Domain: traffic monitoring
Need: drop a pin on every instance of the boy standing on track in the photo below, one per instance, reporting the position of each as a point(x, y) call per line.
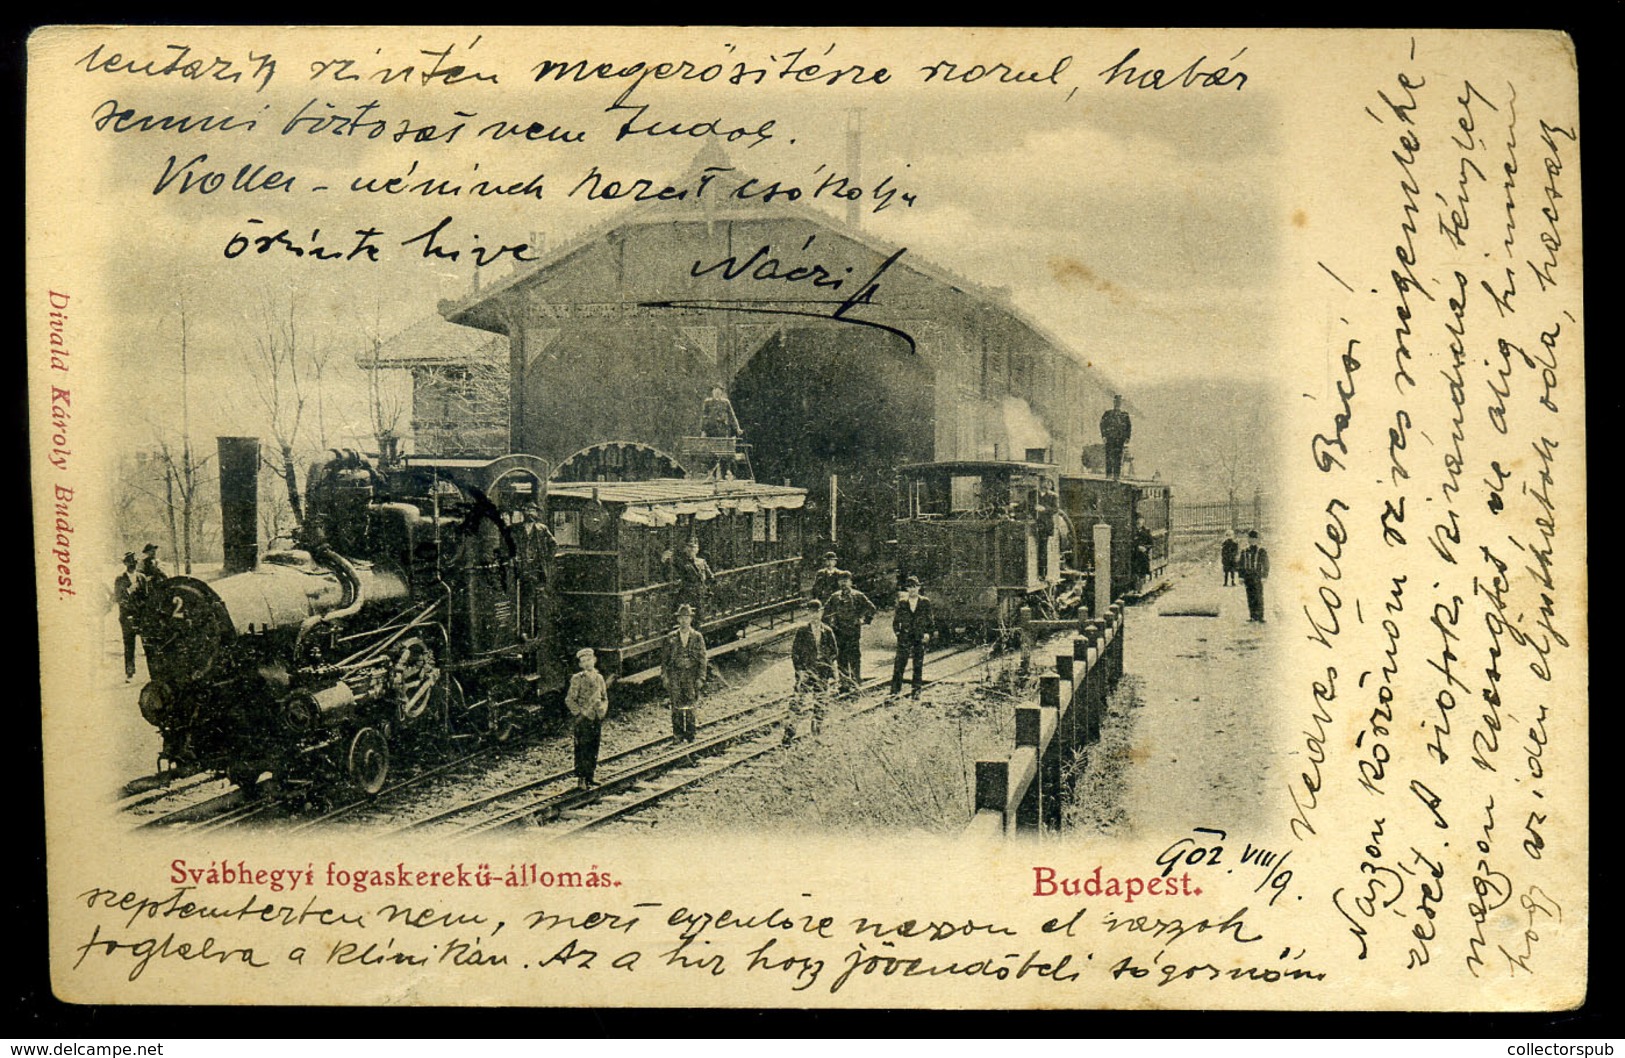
point(588, 702)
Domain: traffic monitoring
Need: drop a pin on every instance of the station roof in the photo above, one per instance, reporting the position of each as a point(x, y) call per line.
point(434, 342)
point(474, 310)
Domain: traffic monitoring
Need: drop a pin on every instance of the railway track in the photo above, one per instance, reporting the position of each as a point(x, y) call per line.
point(638, 777)
point(632, 779)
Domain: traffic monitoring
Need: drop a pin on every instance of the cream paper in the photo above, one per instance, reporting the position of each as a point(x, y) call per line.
point(1380, 228)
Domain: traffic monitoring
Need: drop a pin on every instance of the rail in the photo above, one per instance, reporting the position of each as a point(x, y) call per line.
point(1023, 792)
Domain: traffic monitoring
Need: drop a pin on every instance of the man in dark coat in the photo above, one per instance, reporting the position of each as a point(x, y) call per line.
point(694, 579)
point(912, 621)
point(812, 653)
point(150, 569)
point(127, 595)
point(1115, 428)
point(1254, 566)
point(828, 578)
point(683, 672)
point(1143, 543)
point(1228, 551)
point(847, 611)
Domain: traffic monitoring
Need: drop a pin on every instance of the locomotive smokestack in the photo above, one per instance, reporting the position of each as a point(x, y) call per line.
point(239, 501)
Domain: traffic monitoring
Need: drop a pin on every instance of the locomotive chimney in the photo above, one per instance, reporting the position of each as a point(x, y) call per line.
point(239, 501)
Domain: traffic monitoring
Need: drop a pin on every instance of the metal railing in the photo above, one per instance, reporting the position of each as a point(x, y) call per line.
point(1237, 514)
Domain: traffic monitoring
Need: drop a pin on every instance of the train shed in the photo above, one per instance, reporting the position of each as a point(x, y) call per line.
point(844, 356)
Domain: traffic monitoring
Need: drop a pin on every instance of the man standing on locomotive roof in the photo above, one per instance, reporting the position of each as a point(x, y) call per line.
point(912, 622)
point(1115, 428)
point(828, 578)
point(127, 594)
point(1254, 566)
point(694, 578)
point(847, 611)
point(683, 672)
point(588, 703)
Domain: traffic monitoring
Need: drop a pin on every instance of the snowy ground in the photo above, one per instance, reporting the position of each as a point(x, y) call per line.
point(1189, 725)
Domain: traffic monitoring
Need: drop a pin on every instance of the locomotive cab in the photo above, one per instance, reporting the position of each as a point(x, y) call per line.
point(985, 537)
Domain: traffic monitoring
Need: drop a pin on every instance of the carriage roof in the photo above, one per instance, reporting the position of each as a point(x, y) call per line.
point(679, 491)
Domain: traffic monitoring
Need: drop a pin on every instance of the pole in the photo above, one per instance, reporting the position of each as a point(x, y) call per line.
point(1103, 569)
point(834, 503)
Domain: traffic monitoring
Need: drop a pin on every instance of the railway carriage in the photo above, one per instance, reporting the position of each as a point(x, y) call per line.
point(617, 586)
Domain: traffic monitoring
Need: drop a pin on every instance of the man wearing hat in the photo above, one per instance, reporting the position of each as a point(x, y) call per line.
point(693, 575)
point(683, 672)
point(912, 621)
point(127, 594)
point(1254, 566)
point(150, 569)
point(847, 611)
point(812, 653)
point(1115, 429)
point(828, 578)
point(588, 703)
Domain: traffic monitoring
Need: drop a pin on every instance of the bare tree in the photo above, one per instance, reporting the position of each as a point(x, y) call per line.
point(287, 372)
point(386, 403)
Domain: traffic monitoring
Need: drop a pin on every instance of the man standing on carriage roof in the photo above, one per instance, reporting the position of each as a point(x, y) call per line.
point(827, 581)
point(847, 611)
point(1115, 428)
point(717, 417)
point(683, 670)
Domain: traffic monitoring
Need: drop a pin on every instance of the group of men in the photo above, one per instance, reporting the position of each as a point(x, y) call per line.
point(132, 594)
point(826, 653)
point(1251, 565)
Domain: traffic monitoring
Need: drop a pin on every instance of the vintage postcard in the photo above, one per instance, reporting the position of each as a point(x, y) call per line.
point(810, 517)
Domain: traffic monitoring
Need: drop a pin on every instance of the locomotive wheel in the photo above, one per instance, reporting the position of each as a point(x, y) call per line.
point(368, 760)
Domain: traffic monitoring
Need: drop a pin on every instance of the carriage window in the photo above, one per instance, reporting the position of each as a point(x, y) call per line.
point(758, 527)
point(567, 528)
point(773, 525)
point(965, 492)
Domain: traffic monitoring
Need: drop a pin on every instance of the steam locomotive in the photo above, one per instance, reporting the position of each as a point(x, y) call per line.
point(429, 603)
point(987, 537)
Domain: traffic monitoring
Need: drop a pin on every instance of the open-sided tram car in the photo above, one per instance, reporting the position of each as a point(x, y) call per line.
point(619, 592)
point(1090, 499)
point(985, 537)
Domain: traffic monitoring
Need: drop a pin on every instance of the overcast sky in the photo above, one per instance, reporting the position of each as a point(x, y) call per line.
point(1141, 229)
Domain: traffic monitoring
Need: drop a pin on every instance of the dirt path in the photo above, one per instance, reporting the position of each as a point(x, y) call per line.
point(1189, 733)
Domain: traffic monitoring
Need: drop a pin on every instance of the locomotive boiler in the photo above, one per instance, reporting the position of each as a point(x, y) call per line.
point(404, 611)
